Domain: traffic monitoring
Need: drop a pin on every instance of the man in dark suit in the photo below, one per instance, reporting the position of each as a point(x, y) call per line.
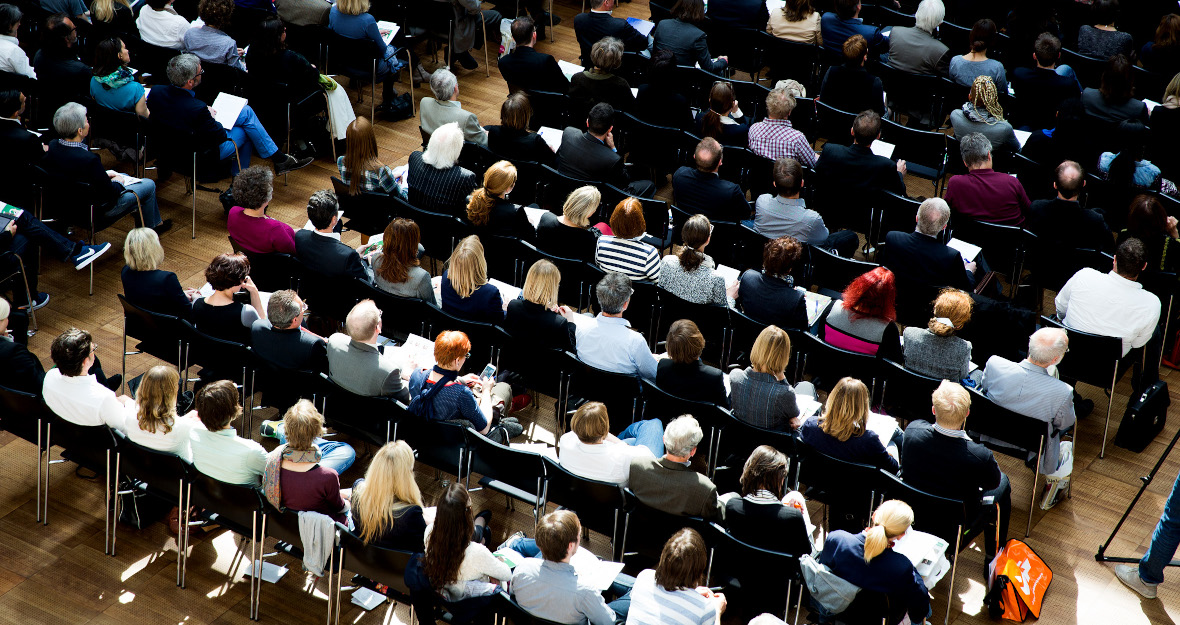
point(59, 71)
point(1040, 90)
point(851, 177)
point(591, 155)
point(590, 27)
point(20, 369)
point(281, 339)
point(1061, 223)
point(920, 258)
point(740, 13)
point(176, 106)
point(527, 69)
point(669, 484)
point(702, 191)
point(321, 250)
point(19, 149)
point(941, 459)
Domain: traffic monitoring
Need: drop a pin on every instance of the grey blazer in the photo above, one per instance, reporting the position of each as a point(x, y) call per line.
point(946, 357)
point(1027, 389)
point(364, 369)
point(674, 488)
point(436, 113)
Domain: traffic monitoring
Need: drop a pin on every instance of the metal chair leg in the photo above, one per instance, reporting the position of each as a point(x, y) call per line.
point(1114, 379)
point(194, 194)
point(1036, 474)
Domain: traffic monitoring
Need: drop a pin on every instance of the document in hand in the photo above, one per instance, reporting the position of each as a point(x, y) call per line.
point(968, 250)
point(927, 553)
point(226, 109)
point(552, 137)
point(643, 26)
point(882, 148)
point(1022, 136)
point(507, 291)
point(388, 30)
point(569, 69)
point(592, 571)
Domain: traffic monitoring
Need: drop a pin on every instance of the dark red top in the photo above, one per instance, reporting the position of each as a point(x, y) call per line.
point(315, 490)
point(989, 196)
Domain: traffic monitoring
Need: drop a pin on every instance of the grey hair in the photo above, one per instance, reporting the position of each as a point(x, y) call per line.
point(282, 309)
point(614, 291)
point(443, 83)
point(445, 146)
point(932, 216)
point(929, 15)
point(974, 148)
point(682, 435)
point(68, 119)
point(1047, 345)
point(183, 68)
point(10, 14)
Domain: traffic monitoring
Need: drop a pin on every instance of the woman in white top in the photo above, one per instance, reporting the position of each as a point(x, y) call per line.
point(458, 566)
point(589, 450)
point(675, 592)
point(156, 424)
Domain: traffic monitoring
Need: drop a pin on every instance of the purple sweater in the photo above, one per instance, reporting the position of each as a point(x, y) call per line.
point(261, 235)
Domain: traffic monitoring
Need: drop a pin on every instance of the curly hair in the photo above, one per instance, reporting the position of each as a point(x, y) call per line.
point(497, 180)
point(216, 13)
point(873, 294)
point(227, 271)
point(253, 187)
point(983, 92)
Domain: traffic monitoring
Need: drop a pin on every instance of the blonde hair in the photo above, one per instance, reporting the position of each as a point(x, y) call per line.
point(951, 404)
point(983, 91)
point(142, 250)
point(846, 413)
point(890, 520)
point(104, 10)
point(156, 399)
point(954, 306)
point(497, 180)
point(353, 7)
point(467, 269)
point(772, 351)
point(389, 490)
point(581, 204)
point(302, 425)
point(541, 283)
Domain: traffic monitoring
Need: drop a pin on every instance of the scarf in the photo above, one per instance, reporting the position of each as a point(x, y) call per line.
point(116, 79)
point(979, 115)
point(274, 466)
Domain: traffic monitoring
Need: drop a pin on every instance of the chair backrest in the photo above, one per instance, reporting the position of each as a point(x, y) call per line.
point(237, 506)
point(711, 319)
point(647, 529)
point(220, 78)
point(834, 124)
point(407, 315)
point(1089, 69)
point(761, 574)
point(282, 386)
point(148, 326)
point(385, 566)
point(226, 357)
point(832, 271)
point(352, 57)
point(597, 503)
point(907, 393)
point(921, 147)
point(369, 418)
point(832, 480)
point(557, 186)
point(89, 445)
point(439, 444)
point(273, 271)
point(1005, 245)
point(551, 109)
point(478, 158)
point(987, 418)
point(619, 391)
point(835, 362)
point(1094, 358)
point(486, 339)
point(153, 60)
point(789, 59)
point(895, 213)
point(516, 467)
point(440, 232)
point(163, 471)
point(367, 212)
point(936, 515)
point(512, 612)
point(124, 127)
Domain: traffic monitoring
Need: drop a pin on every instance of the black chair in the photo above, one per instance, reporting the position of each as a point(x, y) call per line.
point(219, 359)
point(924, 152)
point(431, 15)
point(514, 473)
point(851, 489)
point(834, 272)
point(711, 319)
point(619, 391)
point(367, 212)
point(789, 59)
point(238, 508)
point(440, 232)
point(1089, 69)
point(662, 405)
point(195, 157)
point(399, 315)
point(26, 416)
point(552, 109)
point(598, 504)
point(737, 440)
point(90, 446)
point(124, 128)
point(643, 311)
point(834, 125)
point(371, 419)
point(357, 60)
point(1096, 360)
point(283, 109)
point(1005, 247)
point(754, 576)
point(511, 612)
point(273, 271)
point(895, 213)
point(744, 330)
point(158, 334)
point(157, 473)
point(152, 61)
point(440, 444)
point(646, 529)
point(905, 394)
point(918, 95)
point(832, 363)
point(543, 370)
point(574, 285)
point(280, 387)
point(556, 187)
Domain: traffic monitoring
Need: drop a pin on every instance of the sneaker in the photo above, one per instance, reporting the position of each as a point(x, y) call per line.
point(1129, 576)
point(520, 402)
point(270, 429)
point(39, 301)
point(420, 75)
point(163, 226)
point(466, 61)
point(291, 164)
point(87, 255)
point(511, 538)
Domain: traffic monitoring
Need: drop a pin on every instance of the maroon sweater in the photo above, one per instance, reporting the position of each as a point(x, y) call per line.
point(988, 195)
point(315, 490)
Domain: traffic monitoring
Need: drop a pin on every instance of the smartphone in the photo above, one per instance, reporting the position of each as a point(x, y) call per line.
point(488, 373)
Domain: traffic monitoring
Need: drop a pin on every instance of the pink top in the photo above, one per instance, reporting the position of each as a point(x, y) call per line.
point(260, 235)
point(836, 338)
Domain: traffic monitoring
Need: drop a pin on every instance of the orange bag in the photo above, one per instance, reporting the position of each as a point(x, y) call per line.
point(1019, 581)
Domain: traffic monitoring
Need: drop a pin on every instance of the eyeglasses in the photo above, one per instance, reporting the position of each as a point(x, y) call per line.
point(467, 356)
point(303, 308)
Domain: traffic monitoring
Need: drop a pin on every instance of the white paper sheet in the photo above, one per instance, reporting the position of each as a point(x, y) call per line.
point(122, 178)
point(367, 599)
point(816, 304)
point(594, 572)
point(226, 109)
point(270, 572)
point(388, 30)
point(569, 69)
point(635, 92)
point(507, 291)
point(807, 405)
point(882, 425)
point(967, 250)
point(552, 137)
point(882, 148)
point(537, 448)
point(927, 552)
point(730, 274)
point(534, 215)
point(643, 26)
point(1022, 136)
point(1151, 104)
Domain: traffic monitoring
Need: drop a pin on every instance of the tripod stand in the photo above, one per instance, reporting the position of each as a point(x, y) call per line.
point(1101, 555)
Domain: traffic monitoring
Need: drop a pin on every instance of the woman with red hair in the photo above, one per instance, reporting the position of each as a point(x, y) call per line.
point(863, 321)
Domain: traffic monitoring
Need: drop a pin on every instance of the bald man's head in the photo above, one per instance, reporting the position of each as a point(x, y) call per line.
point(1070, 180)
point(1047, 346)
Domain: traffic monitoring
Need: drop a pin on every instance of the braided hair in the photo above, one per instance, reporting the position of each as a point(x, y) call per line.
point(983, 91)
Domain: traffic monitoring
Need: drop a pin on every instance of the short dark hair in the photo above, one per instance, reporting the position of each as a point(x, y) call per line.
point(764, 470)
point(9, 102)
point(555, 532)
point(780, 255)
point(1130, 257)
point(321, 208)
point(691, 11)
point(523, 28)
point(788, 176)
point(685, 341)
point(227, 270)
point(845, 9)
point(983, 34)
point(57, 34)
point(1116, 79)
point(516, 111)
point(218, 405)
point(682, 561)
point(707, 154)
point(866, 128)
point(1105, 11)
point(9, 16)
point(1047, 48)
point(106, 56)
point(69, 350)
point(253, 186)
point(1069, 186)
point(601, 118)
point(158, 5)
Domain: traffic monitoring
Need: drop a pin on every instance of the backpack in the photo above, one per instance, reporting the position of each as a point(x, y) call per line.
point(1019, 581)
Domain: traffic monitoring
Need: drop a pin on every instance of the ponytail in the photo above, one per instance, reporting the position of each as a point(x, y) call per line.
point(876, 541)
point(712, 125)
point(480, 207)
point(690, 259)
point(890, 520)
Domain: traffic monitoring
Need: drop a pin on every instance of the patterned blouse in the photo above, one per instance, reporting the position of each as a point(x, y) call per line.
point(699, 286)
point(380, 180)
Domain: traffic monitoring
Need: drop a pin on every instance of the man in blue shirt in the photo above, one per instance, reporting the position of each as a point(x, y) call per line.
point(836, 28)
point(607, 341)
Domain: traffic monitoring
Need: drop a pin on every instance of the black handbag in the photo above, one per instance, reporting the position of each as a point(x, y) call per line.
point(1144, 419)
point(398, 108)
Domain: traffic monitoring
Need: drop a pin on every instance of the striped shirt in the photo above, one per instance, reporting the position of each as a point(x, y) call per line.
point(380, 179)
point(652, 605)
point(439, 190)
point(633, 258)
point(775, 139)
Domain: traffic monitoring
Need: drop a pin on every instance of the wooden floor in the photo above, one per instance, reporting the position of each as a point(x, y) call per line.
point(58, 573)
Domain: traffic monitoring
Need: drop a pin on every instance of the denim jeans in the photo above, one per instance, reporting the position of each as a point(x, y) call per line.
point(620, 588)
point(1164, 540)
point(1067, 71)
point(247, 127)
point(648, 433)
point(146, 191)
point(334, 455)
point(31, 233)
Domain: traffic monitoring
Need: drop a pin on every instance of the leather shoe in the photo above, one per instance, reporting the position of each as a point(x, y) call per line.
point(163, 226)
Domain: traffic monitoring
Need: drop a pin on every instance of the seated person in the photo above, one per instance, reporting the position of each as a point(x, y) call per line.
point(396, 268)
point(160, 25)
point(13, 58)
point(303, 12)
point(218, 451)
point(967, 68)
point(983, 114)
point(1129, 168)
point(920, 257)
point(1112, 102)
point(786, 214)
point(275, 66)
point(57, 61)
point(113, 84)
point(591, 155)
point(1045, 82)
point(248, 223)
point(770, 296)
point(625, 250)
point(282, 339)
point(69, 158)
point(983, 193)
point(352, 20)
point(176, 106)
point(774, 137)
point(75, 394)
point(387, 504)
point(690, 275)
point(599, 84)
point(570, 234)
point(1148, 221)
point(465, 289)
point(155, 424)
point(361, 156)
point(20, 369)
point(457, 566)
point(915, 50)
point(512, 139)
point(763, 514)
point(868, 560)
point(760, 394)
point(723, 120)
point(607, 342)
point(842, 431)
point(1062, 223)
point(844, 21)
point(1113, 303)
point(850, 87)
point(864, 318)
point(441, 394)
point(209, 41)
point(852, 175)
point(437, 183)
point(220, 315)
point(941, 459)
point(536, 317)
point(1102, 40)
point(526, 69)
point(598, 22)
point(490, 211)
point(935, 351)
point(675, 591)
point(668, 483)
point(20, 149)
point(682, 373)
point(321, 250)
point(444, 108)
point(303, 472)
point(743, 14)
point(797, 21)
point(701, 190)
point(659, 100)
point(358, 364)
point(682, 35)
point(589, 450)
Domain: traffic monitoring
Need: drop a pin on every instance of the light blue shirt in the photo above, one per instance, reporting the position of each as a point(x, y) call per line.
point(224, 456)
point(608, 343)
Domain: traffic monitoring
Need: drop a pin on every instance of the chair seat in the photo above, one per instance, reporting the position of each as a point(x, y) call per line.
point(510, 490)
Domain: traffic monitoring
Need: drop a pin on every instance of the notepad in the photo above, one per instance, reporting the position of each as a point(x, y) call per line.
point(730, 274)
point(534, 215)
point(598, 574)
point(807, 405)
point(882, 148)
point(1022, 136)
point(643, 26)
point(123, 179)
point(226, 109)
point(569, 69)
point(388, 30)
point(816, 304)
point(1151, 104)
point(367, 599)
point(968, 250)
point(552, 137)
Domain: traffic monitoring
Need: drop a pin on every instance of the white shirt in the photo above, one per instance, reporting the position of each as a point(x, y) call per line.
point(82, 400)
point(225, 456)
point(607, 462)
point(1110, 305)
point(162, 28)
point(13, 59)
point(176, 441)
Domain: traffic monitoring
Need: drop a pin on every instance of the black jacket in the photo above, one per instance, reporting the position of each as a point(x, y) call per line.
point(849, 176)
point(62, 75)
point(740, 13)
point(695, 380)
point(1066, 225)
point(505, 219)
point(769, 526)
point(81, 165)
point(525, 68)
point(558, 239)
point(1040, 93)
point(19, 149)
point(519, 145)
point(20, 369)
point(539, 326)
point(581, 155)
point(852, 90)
point(946, 466)
point(328, 256)
point(708, 194)
point(294, 349)
point(772, 301)
point(663, 105)
point(590, 27)
point(156, 290)
point(181, 110)
point(925, 260)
